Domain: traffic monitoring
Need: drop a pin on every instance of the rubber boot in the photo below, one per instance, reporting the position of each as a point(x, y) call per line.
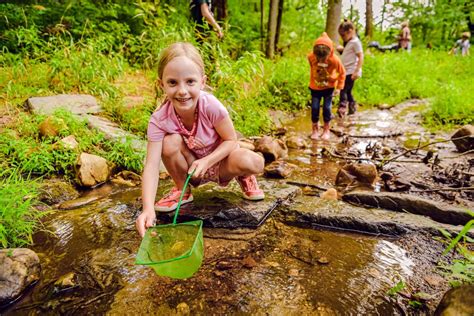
point(315, 133)
point(342, 109)
point(326, 131)
point(352, 108)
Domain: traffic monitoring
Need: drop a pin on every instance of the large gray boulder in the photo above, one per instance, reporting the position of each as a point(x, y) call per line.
point(74, 103)
point(19, 268)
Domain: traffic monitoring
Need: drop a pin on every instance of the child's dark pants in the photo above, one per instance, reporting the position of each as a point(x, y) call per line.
point(316, 96)
point(346, 97)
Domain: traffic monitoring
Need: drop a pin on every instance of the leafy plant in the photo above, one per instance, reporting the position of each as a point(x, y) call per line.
point(18, 216)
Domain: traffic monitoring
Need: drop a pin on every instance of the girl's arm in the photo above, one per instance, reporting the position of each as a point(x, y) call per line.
point(150, 179)
point(226, 131)
point(360, 62)
point(210, 19)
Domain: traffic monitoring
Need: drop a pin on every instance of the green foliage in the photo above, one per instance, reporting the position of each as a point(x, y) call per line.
point(460, 270)
point(394, 77)
point(396, 288)
point(18, 217)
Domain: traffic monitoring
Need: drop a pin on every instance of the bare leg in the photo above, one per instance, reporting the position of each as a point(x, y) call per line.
point(177, 158)
point(240, 162)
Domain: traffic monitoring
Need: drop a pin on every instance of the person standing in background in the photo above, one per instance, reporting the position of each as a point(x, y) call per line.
point(201, 14)
point(404, 39)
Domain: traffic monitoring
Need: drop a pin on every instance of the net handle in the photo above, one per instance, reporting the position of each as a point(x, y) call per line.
point(181, 197)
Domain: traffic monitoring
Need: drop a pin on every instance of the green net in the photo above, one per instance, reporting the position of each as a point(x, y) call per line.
point(173, 250)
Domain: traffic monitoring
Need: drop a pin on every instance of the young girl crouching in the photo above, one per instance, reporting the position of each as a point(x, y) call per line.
point(191, 132)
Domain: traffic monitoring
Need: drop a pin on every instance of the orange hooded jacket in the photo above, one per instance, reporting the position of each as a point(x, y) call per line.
point(330, 74)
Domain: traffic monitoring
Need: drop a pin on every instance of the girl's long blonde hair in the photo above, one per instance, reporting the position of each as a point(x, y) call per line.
point(180, 49)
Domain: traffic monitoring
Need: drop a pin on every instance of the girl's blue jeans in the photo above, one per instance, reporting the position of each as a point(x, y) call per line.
point(326, 96)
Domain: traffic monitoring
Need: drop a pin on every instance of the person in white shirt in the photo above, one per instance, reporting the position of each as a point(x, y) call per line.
point(462, 45)
point(352, 58)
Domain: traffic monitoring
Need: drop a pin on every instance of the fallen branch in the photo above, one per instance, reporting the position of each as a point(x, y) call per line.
point(340, 133)
point(445, 189)
point(420, 147)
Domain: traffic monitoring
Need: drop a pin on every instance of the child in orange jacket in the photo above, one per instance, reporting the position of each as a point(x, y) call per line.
point(326, 79)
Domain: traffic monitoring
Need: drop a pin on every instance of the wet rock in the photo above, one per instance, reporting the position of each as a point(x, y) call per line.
point(69, 142)
point(55, 191)
point(278, 169)
point(127, 178)
point(65, 282)
point(293, 272)
point(246, 143)
point(272, 149)
point(249, 262)
point(434, 280)
point(19, 268)
point(307, 211)
point(365, 173)
point(437, 211)
point(92, 170)
point(74, 103)
point(457, 302)
point(323, 260)
point(330, 194)
point(87, 198)
point(296, 142)
point(183, 309)
point(225, 207)
point(466, 143)
point(386, 151)
point(224, 265)
point(280, 131)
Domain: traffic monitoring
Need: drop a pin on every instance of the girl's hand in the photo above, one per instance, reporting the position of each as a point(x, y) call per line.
point(199, 167)
point(336, 92)
point(144, 221)
point(355, 76)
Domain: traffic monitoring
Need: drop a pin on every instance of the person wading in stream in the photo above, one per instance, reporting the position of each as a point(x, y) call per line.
point(191, 132)
point(327, 77)
point(352, 58)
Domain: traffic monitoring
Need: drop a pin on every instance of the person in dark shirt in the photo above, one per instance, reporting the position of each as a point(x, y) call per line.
point(201, 14)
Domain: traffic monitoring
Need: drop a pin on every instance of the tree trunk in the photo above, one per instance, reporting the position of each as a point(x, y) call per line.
point(333, 18)
point(384, 9)
point(271, 30)
point(280, 15)
point(369, 19)
point(262, 33)
point(220, 9)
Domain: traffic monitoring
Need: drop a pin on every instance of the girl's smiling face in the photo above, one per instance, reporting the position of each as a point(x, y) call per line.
point(182, 82)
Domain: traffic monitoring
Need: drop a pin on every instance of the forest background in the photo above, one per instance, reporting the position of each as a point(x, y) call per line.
point(110, 49)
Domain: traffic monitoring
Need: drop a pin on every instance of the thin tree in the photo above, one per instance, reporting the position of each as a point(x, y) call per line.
point(272, 27)
point(262, 32)
point(333, 18)
point(369, 19)
point(280, 16)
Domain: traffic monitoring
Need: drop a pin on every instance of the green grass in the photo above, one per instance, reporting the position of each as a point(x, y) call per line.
point(18, 216)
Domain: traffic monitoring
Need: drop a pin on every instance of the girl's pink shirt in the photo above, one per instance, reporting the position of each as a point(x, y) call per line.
point(210, 112)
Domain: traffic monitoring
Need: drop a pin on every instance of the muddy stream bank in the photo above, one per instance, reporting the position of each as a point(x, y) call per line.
point(309, 256)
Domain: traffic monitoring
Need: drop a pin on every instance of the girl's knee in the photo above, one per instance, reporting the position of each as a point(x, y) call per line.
point(251, 162)
point(171, 144)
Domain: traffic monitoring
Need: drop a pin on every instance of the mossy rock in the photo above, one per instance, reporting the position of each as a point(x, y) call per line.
point(54, 191)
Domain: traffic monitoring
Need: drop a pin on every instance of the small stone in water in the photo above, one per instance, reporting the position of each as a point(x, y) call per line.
point(293, 272)
point(323, 260)
point(249, 262)
point(183, 309)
